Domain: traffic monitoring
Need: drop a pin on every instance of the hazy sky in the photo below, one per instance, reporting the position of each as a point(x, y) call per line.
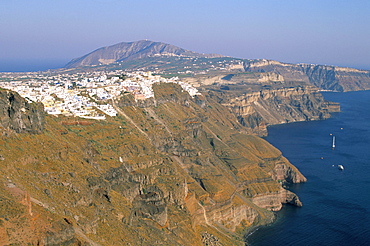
point(37, 34)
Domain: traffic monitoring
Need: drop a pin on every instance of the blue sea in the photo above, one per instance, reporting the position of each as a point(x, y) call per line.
point(29, 65)
point(336, 204)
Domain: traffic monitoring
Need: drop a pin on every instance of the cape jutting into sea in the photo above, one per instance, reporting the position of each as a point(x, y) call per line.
point(336, 203)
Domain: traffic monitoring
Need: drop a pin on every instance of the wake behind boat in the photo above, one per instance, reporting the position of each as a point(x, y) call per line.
point(333, 145)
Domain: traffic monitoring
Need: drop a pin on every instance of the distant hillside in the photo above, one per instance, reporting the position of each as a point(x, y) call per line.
point(323, 76)
point(171, 60)
point(127, 51)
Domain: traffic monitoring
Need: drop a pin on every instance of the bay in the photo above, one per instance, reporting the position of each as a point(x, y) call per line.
point(336, 204)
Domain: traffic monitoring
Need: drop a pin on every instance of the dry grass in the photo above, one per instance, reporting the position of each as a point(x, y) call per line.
point(66, 168)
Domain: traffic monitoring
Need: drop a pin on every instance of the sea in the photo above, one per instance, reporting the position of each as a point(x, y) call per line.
point(30, 65)
point(336, 203)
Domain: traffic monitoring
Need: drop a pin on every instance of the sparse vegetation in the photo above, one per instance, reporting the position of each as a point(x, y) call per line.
point(136, 177)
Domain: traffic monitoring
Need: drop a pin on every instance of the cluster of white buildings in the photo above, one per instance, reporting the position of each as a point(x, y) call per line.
point(88, 95)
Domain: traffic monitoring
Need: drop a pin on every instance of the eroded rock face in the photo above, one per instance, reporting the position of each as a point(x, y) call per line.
point(257, 110)
point(231, 216)
point(274, 202)
point(19, 115)
point(288, 173)
point(150, 205)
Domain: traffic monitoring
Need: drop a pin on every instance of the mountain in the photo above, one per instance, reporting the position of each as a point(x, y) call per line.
point(127, 51)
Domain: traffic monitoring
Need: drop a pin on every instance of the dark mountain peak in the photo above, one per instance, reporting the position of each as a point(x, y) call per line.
point(126, 51)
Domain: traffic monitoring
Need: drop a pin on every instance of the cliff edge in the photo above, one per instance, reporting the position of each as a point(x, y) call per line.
point(258, 109)
point(174, 170)
point(16, 114)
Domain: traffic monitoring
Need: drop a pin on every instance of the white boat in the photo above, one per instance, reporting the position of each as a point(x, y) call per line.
point(340, 167)
point(333, 146)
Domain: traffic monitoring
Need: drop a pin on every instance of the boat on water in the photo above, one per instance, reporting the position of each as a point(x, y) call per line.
point(340, 167)
point(333, 145)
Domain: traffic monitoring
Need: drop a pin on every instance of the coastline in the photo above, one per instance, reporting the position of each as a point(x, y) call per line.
point(277, 217)
point(330, 191)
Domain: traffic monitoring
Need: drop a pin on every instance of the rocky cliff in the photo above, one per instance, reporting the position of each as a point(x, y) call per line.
point(175, 170)
point(126, 51)
point(323, 76)
point(16, 114)
point(257, 110)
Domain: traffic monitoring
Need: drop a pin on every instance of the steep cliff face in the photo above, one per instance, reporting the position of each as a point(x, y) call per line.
point(19, 115)
point(257, 110)
point(176, 170)
point(324, 77)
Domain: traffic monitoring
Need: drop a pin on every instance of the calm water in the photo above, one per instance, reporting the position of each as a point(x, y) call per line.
point(336, 204)
point(30, 65)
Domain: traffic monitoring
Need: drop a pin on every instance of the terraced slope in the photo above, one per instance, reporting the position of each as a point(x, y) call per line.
point(171, 171)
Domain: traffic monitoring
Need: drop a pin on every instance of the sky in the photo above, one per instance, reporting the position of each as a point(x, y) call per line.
point(45, 34)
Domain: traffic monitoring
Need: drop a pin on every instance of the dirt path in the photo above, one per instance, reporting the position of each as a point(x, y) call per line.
point(128, 118)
